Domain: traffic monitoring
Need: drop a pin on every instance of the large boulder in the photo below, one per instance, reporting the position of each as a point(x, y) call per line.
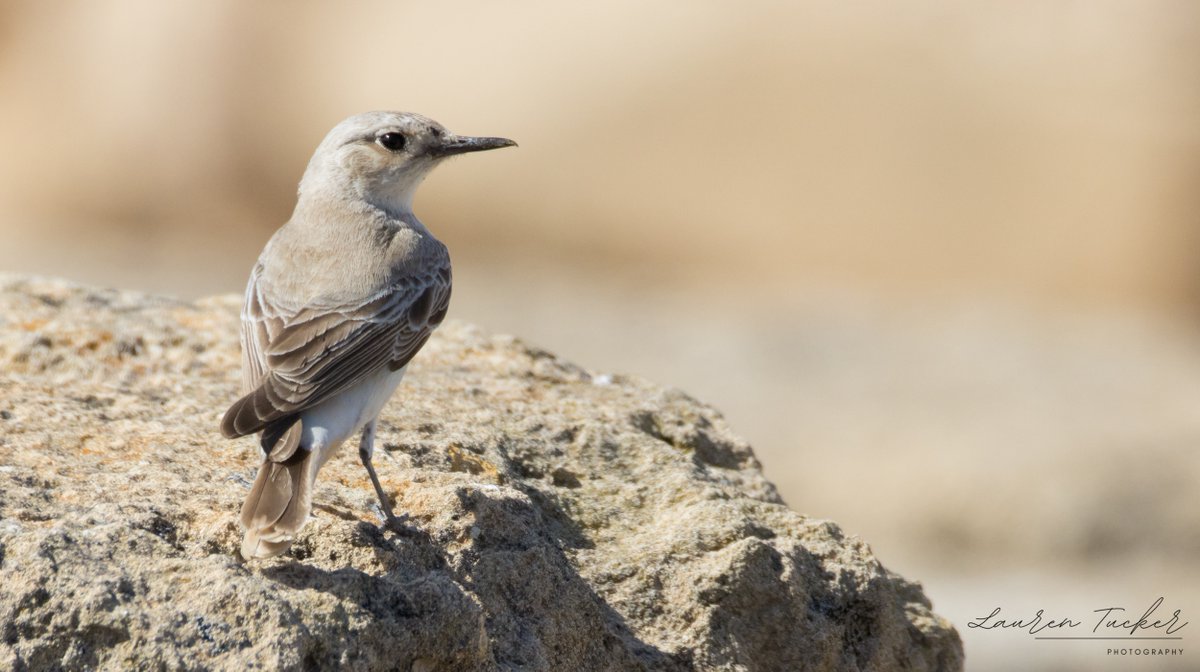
point(553, 518)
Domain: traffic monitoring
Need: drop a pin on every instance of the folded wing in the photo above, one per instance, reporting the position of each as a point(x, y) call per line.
point(295, 361)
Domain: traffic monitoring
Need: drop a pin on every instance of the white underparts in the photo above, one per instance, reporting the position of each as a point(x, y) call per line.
point(329, 424)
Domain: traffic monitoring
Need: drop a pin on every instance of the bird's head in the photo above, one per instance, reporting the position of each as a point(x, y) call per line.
point(382, 157)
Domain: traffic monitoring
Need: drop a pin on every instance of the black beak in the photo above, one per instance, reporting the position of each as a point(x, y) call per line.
point(454, 144)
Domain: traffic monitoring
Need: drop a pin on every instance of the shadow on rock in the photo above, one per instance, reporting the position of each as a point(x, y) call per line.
point(502, 573)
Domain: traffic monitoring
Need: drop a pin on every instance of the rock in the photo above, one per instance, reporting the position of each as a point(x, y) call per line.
point(555, 519)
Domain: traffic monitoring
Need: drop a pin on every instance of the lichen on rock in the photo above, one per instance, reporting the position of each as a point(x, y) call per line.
point(553, 519)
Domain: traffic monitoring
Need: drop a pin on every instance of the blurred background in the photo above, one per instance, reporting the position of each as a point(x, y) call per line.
point(939, 262)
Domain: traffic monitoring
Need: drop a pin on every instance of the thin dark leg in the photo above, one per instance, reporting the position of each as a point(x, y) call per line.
point(365, 450)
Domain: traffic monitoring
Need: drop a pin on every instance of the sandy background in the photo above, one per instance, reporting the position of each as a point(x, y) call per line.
point(939, 262)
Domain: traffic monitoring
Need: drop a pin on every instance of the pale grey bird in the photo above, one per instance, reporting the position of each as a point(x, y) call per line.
point(342, 297)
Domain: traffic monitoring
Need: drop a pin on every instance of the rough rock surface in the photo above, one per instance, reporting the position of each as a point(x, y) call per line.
point(555, 519)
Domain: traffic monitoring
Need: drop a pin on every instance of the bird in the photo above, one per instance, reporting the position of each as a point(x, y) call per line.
point(342, 297)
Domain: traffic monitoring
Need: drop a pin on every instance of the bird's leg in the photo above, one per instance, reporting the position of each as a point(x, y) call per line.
point(365, 450)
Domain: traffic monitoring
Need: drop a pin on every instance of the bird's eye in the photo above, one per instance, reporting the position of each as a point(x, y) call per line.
point(392, 141)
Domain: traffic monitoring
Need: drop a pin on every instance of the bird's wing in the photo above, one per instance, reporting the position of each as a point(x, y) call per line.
point(299, 360)
point(256, 333)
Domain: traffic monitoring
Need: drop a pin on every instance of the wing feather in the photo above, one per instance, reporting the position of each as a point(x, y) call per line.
point(294, 362)
point(255, 334)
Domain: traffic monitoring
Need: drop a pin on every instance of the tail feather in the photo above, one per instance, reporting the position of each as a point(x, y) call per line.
point(278, 504)
point(297, 510)
point(254, 546)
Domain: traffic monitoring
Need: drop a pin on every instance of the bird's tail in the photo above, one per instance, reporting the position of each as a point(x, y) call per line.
point(278, 504)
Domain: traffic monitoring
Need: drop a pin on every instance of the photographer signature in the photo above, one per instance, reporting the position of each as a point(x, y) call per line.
point(1108, 621)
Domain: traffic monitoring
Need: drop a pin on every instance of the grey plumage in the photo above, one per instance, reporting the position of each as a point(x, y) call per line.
point(341, 299)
